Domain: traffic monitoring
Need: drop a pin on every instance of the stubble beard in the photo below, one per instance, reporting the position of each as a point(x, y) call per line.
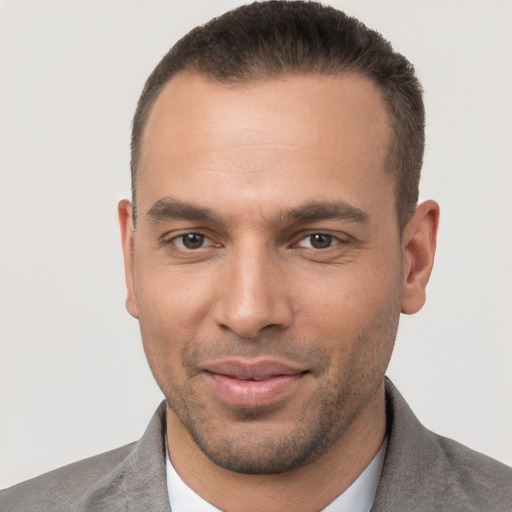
point(257, 446)
point(261, 450)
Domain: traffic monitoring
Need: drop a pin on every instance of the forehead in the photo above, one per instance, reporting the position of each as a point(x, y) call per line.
point(296, 134)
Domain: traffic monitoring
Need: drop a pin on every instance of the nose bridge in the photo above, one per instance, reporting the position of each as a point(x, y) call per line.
point(253, 296)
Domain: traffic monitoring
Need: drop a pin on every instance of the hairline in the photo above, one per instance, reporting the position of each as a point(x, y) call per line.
point(390, 160)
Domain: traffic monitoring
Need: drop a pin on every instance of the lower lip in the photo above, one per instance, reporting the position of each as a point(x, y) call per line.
point(253, 393)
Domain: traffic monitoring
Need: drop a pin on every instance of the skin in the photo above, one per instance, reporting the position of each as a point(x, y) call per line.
point(267, 235)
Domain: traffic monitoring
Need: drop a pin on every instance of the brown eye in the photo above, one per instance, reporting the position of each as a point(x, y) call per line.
point(317, 241)
point(191, 240)
point(320, 241)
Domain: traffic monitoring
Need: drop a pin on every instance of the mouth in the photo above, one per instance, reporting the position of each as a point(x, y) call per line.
point(251, 384)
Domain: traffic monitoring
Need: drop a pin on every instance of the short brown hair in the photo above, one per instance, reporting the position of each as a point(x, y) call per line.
point(267, 39)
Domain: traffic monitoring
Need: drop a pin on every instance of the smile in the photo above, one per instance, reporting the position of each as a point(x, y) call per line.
point(251, 385)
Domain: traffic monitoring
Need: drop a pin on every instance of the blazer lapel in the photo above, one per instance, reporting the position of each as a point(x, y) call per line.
point(138, 484)
point(144, 479)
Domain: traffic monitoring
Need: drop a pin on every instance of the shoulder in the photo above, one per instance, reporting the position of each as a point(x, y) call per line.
point(63, 488)
point(471, 479)
point(424, 471)
point(128, 478)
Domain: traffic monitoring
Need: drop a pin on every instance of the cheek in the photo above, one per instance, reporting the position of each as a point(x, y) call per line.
point(170, 296)
point(175, 304)
point(346, 293)
point(342, 309)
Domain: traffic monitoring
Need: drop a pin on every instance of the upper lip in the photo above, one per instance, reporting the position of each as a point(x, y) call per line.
point(252, 369)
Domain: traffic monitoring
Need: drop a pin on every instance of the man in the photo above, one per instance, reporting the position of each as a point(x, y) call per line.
point(273, 239)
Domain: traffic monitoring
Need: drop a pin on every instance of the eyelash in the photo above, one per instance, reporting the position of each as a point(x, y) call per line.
point(331, 239)
point(182, 236)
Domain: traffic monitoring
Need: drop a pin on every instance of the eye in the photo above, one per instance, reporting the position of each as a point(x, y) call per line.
point(192, 241)
point(318, 241)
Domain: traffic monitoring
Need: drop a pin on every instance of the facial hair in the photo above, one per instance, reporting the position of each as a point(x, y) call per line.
point(252, 441)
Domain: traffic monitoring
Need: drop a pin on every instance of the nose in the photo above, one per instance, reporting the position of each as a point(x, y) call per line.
point(253, 294)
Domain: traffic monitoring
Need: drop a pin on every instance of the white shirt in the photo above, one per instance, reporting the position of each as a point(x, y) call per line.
point(357, 498)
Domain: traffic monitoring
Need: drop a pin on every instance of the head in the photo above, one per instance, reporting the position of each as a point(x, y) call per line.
point(266, 40)
point(270, 264)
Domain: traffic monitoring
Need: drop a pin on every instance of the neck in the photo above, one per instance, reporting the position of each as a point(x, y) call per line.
point(308, 488)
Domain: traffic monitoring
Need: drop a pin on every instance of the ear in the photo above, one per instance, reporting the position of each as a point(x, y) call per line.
point(124, 210)
point(419, 248)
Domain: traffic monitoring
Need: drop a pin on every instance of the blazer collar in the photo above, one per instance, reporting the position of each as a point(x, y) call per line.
point(140, 483)
point(411, 456)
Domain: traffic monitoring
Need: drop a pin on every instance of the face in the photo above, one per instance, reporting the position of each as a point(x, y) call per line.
point(266, 268)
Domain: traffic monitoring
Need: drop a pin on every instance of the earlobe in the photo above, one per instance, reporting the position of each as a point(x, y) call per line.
point(419, 247)
point(124, 210)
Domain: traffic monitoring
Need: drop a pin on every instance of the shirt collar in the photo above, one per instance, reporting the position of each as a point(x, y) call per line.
point(356, 498)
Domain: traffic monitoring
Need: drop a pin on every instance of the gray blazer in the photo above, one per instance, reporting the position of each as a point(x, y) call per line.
point(422, 472)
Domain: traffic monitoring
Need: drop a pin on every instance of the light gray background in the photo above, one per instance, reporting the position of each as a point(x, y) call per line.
point(73, 377)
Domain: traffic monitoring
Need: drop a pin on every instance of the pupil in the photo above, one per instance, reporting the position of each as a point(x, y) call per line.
point(193, 240)
point(321, 241)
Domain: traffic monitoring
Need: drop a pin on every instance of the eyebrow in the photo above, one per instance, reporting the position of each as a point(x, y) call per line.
point(169, 208)
point(323, 210)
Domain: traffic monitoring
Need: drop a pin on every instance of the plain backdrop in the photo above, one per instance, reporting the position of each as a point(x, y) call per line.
point(73, 377)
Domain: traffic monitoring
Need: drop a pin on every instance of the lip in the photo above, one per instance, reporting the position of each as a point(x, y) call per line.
point(253, 384)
